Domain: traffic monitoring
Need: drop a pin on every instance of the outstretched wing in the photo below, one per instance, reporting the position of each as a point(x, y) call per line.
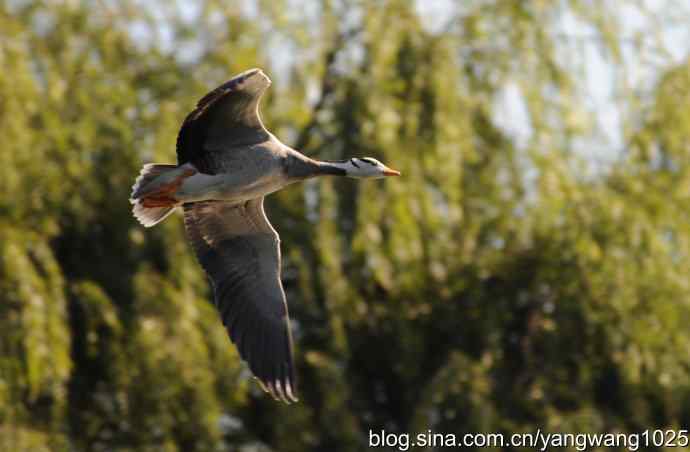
point(240, 251)
point(226, 117)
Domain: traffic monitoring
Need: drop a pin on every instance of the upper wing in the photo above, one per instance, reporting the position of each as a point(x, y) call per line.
point(227, 116)
point(240, 251)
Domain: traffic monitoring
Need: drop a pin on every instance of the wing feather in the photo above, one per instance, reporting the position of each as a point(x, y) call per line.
point(240, 251)
point(226, 117)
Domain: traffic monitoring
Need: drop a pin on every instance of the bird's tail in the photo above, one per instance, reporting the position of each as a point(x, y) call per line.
point(152, 194)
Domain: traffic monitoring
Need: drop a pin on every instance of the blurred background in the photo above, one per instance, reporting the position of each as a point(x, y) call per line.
point(529, 270)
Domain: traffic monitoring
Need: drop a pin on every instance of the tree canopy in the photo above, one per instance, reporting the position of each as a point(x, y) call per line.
point(507, 282)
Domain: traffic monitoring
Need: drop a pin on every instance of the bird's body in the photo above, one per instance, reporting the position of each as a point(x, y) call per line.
point(227, 163)
point(248, 172)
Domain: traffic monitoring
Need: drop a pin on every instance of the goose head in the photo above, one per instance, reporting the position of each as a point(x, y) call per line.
point(367, 167)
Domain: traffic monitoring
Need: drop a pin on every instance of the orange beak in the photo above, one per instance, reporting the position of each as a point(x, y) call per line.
point(391, 172)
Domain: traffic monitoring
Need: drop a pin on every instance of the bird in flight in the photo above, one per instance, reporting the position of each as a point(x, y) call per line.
point(226, 163)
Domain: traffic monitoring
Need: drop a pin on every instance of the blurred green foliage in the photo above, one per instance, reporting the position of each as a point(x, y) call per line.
point(497, 286)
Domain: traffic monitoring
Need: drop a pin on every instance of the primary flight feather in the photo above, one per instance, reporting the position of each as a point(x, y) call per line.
point(226, 163)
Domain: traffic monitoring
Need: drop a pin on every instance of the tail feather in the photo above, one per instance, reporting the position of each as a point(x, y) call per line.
point(148, 173)
point(149, 216)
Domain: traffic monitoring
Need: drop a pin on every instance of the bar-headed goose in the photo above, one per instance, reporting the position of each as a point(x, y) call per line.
point(227, 163)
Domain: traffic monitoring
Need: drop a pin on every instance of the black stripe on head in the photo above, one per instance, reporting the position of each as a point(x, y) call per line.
point(354, 163)
point(369, 161)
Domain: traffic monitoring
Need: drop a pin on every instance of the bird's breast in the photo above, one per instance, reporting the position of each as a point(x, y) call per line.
point(240, 185)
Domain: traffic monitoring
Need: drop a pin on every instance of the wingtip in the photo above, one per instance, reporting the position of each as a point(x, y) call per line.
point(289, 393)
point(250, 74)
point(272, 391)
point(278, 391)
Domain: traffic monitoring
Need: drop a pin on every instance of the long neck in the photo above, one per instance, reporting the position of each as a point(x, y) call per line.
point(332, 168)
point(300, 166)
